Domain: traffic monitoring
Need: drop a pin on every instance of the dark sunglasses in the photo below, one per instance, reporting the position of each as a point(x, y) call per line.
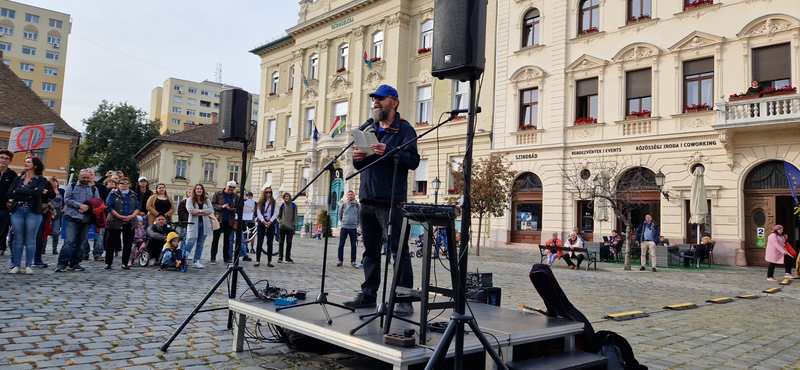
point(379, 98)
point(124, 183)
point(231, 187)
point(267, 192)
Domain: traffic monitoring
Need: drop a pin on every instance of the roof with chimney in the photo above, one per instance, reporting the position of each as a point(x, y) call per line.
point(20, 106)
point(204, 136)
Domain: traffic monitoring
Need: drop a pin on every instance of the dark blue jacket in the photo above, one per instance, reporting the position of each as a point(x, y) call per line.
point(376, 181)
point(640, 232)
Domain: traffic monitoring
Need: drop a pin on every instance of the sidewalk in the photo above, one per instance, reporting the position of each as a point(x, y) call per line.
point(109, 319)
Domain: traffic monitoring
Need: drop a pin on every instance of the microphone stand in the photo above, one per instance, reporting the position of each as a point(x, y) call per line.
point(383, 309)
point(322, 297)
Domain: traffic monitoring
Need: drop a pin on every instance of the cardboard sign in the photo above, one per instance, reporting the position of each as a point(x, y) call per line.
point(31, 137)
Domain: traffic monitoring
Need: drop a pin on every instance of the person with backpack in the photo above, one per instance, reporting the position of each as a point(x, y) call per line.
point(287, 219)
point(348, 216)
point(76, 221)
point(122, 206)
point(266, 214)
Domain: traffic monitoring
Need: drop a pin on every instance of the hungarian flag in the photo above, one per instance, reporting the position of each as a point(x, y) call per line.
point(366, 60)
point(338, 126)
point(303, 76)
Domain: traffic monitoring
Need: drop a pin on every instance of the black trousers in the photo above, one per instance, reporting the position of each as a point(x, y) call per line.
point(788, 262)
point(580, 258)
point(224, 230)
point(269, 232)
point(113, 244)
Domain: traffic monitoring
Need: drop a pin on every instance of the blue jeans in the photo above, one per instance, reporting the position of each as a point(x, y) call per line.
point(242, 250)
point(72, 253)
point(200, 239)
point(440, 238)
point(26, 226)
point(57, 230)
point(343, 234)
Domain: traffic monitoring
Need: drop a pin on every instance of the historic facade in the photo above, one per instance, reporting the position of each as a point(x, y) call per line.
point(318, 74)
point(647, 85)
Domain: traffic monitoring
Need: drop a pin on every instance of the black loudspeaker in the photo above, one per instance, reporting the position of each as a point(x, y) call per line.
point(459, 39)
point(235, 110)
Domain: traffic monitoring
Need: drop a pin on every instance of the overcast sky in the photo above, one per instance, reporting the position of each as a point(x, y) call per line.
point(121, 50)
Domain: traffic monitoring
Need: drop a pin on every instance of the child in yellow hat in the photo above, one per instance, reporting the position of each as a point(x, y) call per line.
point(171, 253)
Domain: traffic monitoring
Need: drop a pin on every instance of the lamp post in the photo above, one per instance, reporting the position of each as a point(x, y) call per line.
point(435, 184)
point(660, 177)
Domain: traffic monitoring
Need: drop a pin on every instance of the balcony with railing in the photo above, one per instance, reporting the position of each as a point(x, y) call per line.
point(758, 112)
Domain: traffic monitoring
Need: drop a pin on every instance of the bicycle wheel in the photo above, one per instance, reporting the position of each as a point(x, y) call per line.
point(143, 259)
point(419, 253)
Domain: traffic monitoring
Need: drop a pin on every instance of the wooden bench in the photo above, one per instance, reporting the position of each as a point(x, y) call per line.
point(591, 256)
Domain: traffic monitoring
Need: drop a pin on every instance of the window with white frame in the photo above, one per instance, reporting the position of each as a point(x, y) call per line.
point(343, 51)
point(177, 99)
point(426, 40)
point(216, 105)
point(461, 94)
point(208, 171)
point(6, 61)
point(188, 122)
point(205, 92)
point(528, 109)
point(176, 110)
point(48, 87)
point(305, 178)
point(174, 131)
point(53, 40)
point(310, 114)
point(50, 103)
point(30, 18)
point(27, 50)
point(177, 198)
point(56, 23)
point(205, 114)
point(273, 90)
point(423, 104)
point(205, 104)
point(181, 166)
point(455, 166)
point(4, 46)
point(271, 129)
point(233, 172)
point(178, 88)
point(340, 111)
point(531, 30)
point(192, 90)
point(268, 181)
point(291, 78)
point(314, 65)
point(52, 55)
point(27, 67)
point(421, 177)
point(6, 30)
point(377, 45)
point(216, 95)
point(288, 127)
point(29, 83)
point(255, 112)
point(191, 112)
point(8, 13)
point(698, 82)
point(30, 35)
point(50, 71)
point(176, 121)
point(191, 101)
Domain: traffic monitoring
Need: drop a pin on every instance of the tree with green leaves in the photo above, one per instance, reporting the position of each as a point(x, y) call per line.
point(114, 134)
point(492, 188)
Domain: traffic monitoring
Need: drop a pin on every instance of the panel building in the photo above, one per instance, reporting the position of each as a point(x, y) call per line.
point(34, 45)
point(181, 102)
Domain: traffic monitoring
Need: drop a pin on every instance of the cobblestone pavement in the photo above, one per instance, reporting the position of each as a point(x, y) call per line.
point(109, 319)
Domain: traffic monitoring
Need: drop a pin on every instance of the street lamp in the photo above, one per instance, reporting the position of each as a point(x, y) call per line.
point(660, 177)
point(435, 184)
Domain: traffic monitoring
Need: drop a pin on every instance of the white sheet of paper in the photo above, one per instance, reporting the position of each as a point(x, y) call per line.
point(364, 140)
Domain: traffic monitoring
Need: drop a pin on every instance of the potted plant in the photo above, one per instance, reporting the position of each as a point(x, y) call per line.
point(696, 108)
point(422, 123)
point(423, 50)
point(634, 19)
point(375, 59)
point(585, 121)
point(633, 115)
point(460, 117)
point(452, 191)
point(743, 96)
point(643, 114)
point(786, 90)
point(272, 94)
point(340, 70)
point(526, 127)
point(418, 192)
point(588, 31)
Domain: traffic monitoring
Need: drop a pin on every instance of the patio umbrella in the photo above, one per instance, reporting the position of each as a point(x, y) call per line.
point(698, 205)
point(600, 213)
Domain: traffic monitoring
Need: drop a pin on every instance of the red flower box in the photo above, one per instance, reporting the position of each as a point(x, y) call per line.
point(272, 94)
point(588, 31)
point(526, 128)
point(423, 50)
point(585, 121)
point(375, 59)
point(417, 193)
point(341, 70)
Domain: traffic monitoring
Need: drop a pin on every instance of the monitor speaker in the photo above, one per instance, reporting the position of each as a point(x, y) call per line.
point(459, 39)
point(235, 110)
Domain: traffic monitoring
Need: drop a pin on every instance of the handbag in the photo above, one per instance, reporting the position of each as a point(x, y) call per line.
point(790, 250)
point(214, 222)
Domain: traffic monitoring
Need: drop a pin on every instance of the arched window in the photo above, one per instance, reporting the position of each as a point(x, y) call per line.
point(639, 9)
point(343, 52)
point(530, 30)
point(312, 70)
point(527, 210)
point(377, 45)
point(589, 16)
point(426, 41)
point(274, 87)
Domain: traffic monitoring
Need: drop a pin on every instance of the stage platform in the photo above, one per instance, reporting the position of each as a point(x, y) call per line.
point(512, 329)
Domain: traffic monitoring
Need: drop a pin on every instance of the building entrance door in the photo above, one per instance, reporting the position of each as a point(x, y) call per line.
point(759, 214)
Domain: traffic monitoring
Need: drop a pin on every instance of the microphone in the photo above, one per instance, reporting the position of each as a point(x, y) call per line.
point(366, 124)
point(459, 111)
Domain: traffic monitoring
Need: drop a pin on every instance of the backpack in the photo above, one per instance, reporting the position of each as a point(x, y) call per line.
point(618, 351)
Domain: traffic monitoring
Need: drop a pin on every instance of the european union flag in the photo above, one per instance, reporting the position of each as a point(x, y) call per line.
point(793, 175)
point(316, 133)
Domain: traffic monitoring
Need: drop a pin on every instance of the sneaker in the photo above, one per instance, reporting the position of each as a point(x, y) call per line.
point(772, 279)
point(85, 257)
point(654, 269)
point(28, 271)
point(151, 262)
point(246, 259)
point(339, 264)
point(789, 276)
point(197, 265)
point(40, 265)
point(108, 267)
point(403, 309)
point(361, 301)
point(356, 265)
point(60, 269)
point(77, 268)
point(269, 264)
point(99, 258)
point(280, 260)
point(289, 260)
point(212, 262)
point(125, 267)
point(257, 264)
point(641, 268)
point(14, 270)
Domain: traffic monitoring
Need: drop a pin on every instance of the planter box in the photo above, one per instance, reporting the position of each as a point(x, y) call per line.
point(644, 115)
point(639, 20)
point(417, 193)
point(631, 117)
point(746, 97)
point(526, 128)
point(781, 93)
point(697, 110)
point(587, 33)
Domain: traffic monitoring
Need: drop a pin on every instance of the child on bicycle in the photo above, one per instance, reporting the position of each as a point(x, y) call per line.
point(171, 254)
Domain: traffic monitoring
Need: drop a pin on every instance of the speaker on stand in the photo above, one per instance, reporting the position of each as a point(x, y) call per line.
point(459, 39)
point(235, 110)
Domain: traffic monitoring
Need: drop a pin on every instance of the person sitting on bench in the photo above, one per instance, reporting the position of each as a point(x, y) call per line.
point(573, 242)
point(609, 248)
point(700, 251)
point(552, 255)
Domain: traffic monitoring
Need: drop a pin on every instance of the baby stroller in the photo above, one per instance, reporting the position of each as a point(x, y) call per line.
point(139, 249)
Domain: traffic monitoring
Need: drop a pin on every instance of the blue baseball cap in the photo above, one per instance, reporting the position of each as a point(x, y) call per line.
point(384, 91)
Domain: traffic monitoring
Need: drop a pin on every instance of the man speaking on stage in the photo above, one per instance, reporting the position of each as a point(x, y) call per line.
point(376, 195)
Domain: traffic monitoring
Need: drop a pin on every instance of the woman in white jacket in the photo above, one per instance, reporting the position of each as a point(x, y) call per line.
point(199, 208)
